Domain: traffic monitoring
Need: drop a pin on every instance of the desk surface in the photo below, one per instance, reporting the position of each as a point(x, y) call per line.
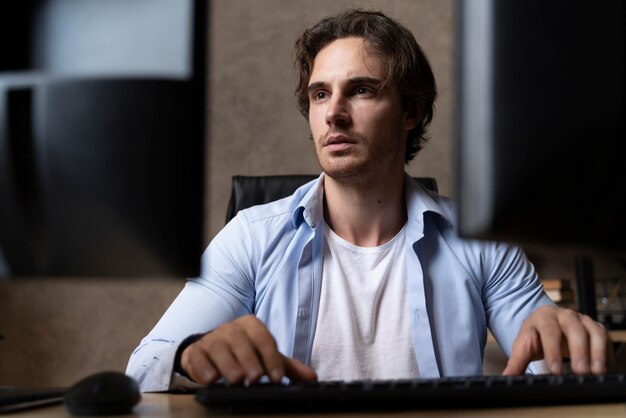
point(156, 405)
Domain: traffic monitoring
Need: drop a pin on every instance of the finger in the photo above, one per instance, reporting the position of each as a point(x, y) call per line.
point(221, 355)
point(551, 338)
point(516, 365)
point(198, 366)
point(275, 364)
point(610, 359)
point(247, 356)
point(526, 348)
point(266, 349)
point(577, 337)
point(600, 346)
point(298, 371)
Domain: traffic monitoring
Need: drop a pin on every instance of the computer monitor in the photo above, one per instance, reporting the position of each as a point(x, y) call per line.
point(102, 137)
point(541, 154)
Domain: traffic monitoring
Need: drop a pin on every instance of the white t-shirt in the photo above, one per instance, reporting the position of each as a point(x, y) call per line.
point(363, 330)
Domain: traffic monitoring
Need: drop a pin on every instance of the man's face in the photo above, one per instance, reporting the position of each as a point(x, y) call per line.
point(359, 128)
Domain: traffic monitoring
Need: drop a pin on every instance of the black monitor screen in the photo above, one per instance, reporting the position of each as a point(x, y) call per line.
point(102, 133)
point(540, 122)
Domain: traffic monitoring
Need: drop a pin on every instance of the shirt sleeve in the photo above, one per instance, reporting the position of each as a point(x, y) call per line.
point(511, 292)
point(223, 292)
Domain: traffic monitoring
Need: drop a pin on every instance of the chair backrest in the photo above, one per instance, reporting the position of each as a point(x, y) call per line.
point(254, 190)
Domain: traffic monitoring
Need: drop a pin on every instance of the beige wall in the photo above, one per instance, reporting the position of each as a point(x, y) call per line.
point(54, 332)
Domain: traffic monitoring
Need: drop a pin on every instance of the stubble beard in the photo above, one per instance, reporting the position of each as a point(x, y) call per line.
point(355, 166)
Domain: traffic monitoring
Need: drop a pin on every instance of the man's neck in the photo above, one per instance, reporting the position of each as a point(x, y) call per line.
point(366, 214)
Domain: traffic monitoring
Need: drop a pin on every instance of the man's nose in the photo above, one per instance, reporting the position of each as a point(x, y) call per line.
point(338, 112)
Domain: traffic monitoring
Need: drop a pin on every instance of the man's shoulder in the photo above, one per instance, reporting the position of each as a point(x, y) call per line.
point(268, 212)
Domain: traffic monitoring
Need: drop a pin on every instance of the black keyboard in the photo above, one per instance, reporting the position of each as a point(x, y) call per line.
point(448, 393)
point(18, 398)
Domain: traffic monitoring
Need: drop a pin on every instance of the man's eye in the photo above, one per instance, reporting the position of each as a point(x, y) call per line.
point(319, 95)
point(363, 90)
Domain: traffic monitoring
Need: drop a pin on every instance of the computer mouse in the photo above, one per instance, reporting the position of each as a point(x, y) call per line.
point(104, 393)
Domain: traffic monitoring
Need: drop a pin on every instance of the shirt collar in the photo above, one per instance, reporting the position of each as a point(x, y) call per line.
point(310, 208)
point(420, 201)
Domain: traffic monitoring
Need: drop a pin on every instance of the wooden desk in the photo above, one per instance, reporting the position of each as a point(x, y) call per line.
point(155, 405)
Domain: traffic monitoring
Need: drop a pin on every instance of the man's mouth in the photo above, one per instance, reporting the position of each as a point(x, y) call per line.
point(336, 140)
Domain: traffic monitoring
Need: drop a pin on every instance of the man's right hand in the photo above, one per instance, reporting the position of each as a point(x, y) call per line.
point(238, 351)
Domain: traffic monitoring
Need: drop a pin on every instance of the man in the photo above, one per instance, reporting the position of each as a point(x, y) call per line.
point(360, 274)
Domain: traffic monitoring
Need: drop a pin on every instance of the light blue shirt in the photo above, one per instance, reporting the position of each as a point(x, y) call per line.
point(268, 262)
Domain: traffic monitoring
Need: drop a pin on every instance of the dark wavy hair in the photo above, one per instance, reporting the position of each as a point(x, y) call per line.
point(405, 67)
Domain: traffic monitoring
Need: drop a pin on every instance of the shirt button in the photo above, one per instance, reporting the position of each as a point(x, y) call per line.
point(302, 313)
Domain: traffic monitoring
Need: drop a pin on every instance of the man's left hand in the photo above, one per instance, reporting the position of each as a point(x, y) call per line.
point(552, 333)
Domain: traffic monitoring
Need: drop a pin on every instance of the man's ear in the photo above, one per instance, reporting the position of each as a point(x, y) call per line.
point(412, 115)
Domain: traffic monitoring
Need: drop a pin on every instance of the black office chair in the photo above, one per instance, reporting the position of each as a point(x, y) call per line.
point(254, 190)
